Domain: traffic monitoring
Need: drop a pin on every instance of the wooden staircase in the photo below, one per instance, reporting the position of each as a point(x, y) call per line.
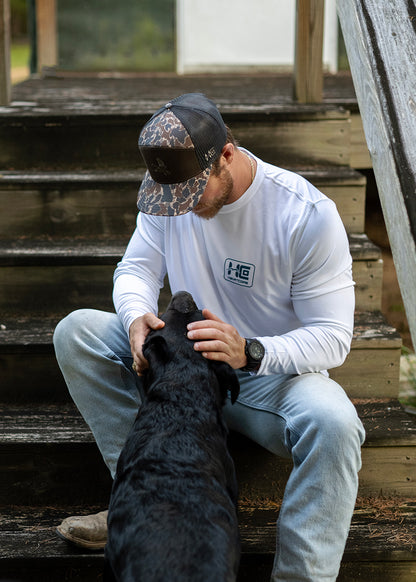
point(69, 173)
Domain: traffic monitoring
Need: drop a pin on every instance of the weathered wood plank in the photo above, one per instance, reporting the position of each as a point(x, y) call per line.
point(104, 203)
point(368, 276)
point(39, 425)
point(40, 431)
point(5, 39)
point(133, 93)
point(309, 38)
point(350, 201)
point(375, 525)
point(70, 273)
point(323, 142)
point(381, 44)
point(383, 571)
point(391, 469)
point(102, 250)
point(285, 138)
point(56, 289)
point(370, 372)
point(48, 475)
point(379, 547)
point(362, 248)
point(360, 156)
point(50, 252)
point(372, 330)
point(106, 93)
point(386, 423)
point(371, 369)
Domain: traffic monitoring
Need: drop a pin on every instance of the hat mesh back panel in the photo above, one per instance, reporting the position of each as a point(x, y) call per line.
point(208, 136)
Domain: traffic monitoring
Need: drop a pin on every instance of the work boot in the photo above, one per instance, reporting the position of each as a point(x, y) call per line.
point(88, 531)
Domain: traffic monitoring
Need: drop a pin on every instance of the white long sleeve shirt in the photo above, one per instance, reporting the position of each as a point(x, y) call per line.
point(275, 264)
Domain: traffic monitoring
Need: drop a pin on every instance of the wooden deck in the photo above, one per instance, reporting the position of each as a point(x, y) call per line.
point(75, 93)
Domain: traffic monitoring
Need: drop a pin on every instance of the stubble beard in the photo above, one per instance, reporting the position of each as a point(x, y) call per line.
point(210, 209)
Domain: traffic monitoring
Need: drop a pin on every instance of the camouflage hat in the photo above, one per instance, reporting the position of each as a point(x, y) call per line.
point(179, 144)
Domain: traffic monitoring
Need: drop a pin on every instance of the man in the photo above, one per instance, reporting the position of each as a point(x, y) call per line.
point(265, 255)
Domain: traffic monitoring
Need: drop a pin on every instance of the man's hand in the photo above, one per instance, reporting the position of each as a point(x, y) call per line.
point(218, 340)
point(137, 334)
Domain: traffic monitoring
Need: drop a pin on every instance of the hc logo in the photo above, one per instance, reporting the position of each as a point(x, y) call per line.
point(239, 273)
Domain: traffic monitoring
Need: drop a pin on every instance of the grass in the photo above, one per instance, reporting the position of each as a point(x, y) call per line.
point(20, 54)
point(19, 57)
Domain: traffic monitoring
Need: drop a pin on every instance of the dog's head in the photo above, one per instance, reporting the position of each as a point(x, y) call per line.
point(171, 343)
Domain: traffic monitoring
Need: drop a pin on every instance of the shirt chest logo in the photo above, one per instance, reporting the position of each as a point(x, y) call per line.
point(239, 273)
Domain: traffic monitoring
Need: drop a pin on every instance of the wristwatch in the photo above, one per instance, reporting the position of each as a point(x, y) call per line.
point(254, 351)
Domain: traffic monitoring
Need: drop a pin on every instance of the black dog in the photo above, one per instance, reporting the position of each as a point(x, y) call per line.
point(172, 514)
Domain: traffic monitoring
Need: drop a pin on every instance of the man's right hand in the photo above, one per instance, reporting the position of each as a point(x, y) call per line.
point(138, 331)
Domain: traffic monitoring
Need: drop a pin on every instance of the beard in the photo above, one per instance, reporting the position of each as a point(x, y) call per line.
point(211, 208)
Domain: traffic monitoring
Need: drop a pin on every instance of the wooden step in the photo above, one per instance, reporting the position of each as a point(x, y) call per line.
point(48, 276)
point(388, 456)
point(347, 188)
point(380, 545)
point(96, 203)
point(104, 203)
point(293, 134)
point(48, 454)
point(367, 271)
point(71, 123)
point(41, 275)
point(372, 368)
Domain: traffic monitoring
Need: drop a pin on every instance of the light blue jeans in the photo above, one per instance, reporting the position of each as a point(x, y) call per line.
point(307, 417)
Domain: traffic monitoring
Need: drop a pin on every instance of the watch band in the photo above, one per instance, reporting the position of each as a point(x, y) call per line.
point(254, 351)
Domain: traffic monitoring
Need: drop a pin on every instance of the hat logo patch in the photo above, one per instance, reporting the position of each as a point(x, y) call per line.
point(160, 167)
point(209, 154)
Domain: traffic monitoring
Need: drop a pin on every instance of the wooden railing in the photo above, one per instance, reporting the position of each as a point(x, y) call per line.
point(308, 53)
point(46, 42)
point(308, 70)
point(46, 34)
point(380, 37)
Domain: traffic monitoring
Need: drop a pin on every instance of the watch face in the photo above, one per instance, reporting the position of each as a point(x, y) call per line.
point(256, 350)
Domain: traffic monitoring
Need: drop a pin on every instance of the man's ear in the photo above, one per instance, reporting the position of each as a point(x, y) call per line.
point(228, 153)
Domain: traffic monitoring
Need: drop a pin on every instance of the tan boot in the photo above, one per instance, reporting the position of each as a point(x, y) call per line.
point(88, 531)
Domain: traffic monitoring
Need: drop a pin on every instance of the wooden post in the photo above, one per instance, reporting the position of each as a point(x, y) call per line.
point(5, 81)
point(47, 44)
point(308, 78)
point(380, 37)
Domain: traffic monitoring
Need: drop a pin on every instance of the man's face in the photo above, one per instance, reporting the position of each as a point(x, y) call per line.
point(216, 194)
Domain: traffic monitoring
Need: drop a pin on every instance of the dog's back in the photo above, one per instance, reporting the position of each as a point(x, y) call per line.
point(172, 515)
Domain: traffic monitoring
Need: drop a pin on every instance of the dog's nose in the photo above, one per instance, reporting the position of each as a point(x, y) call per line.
point(183, 302)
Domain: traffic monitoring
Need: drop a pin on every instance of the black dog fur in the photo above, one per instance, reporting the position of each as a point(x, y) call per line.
point(173, 508)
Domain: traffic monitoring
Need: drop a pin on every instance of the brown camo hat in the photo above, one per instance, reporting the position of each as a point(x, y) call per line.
point(179, 144)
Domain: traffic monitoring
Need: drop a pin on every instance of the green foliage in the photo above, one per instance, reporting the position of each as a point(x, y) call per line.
point(20, 55)
point(99, 35)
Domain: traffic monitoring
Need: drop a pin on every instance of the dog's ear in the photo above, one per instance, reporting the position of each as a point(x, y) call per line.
point(155, 349)
point(227, 379)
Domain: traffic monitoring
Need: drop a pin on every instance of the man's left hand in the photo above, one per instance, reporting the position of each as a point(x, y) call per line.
point(217, 340)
